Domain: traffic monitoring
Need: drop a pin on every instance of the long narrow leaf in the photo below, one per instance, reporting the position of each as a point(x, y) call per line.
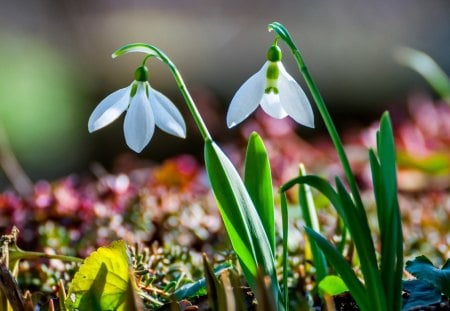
point(258, 181)
point(385, 188)
point(284, 220)
point(322, 186)
point(241, 220)
point(339, 263)
point(311, 220)
point(360, 232)
point(386, 154)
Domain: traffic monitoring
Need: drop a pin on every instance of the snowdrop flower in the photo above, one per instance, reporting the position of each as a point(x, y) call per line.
point(275, 90)
point(145, 107)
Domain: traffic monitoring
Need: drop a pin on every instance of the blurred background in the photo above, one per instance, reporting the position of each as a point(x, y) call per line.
point(55, 65)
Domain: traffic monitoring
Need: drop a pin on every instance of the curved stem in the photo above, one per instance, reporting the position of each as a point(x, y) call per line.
point(19, 254)
point(286, 37)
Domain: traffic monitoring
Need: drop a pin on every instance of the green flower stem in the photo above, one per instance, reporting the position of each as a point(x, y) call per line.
point(153, 51)
point(17, 254)
point(286, 37)
point(241, 218)
point(187, 96)
point(284, 219)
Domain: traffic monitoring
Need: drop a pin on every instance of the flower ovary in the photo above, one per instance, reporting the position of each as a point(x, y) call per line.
point(274, 54)
point(141, 74)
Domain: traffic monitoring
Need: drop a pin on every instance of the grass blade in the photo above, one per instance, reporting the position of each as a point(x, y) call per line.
point(385, 188)
point(339, 263)
point(321, 185)
point(258, 181)
point(284, 220)
point(360, 233)
point(311, 220)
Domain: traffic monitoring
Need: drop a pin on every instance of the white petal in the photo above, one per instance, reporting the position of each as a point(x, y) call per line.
point(294, 100)
point(139, 123)
point(270, 103)
point(247, 98)
point(167, 116)
point(109, 109)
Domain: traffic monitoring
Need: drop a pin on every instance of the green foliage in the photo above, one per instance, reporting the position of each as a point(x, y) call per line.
point(423, 269)
point(382, 286)
point(258, 181)
point(357, 289)
point(332, 285)
point(240, 217)
point(420, 295)
point(103, 281)
point(311, 220)
point(384, 178)
point(427, 67)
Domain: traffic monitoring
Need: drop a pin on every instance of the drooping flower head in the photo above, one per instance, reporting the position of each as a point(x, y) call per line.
point(145, 107)
point(275, 91)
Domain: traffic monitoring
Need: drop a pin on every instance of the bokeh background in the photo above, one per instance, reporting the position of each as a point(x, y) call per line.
point(55, 65)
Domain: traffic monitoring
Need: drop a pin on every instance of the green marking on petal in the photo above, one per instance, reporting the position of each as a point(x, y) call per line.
point(133, 90)
point(272, 72)
point(147, 87)
point(271, 89)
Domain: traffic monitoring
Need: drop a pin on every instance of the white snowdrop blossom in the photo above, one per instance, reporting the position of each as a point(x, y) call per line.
point(145, 107)
point(275, 90)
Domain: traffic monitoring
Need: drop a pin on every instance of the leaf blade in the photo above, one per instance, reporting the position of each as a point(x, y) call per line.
point(423, 269)
point(258, 181)
point(241, 220)
point(339, 263)
point(103, 279)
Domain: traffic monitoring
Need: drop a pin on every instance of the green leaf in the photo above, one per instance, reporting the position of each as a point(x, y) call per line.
point(427, 67)
point(420, 295)
point(386, 154)
point(240, 217)
point(311, 220)
point(332, 285)
point(102, 282)
point(422, 268)
point(284, 255)
point(360, 233)
point(258, 181)
point(283, 33)
point(136, 47)
point(384, 177)
point(342, 267)
point(321, 185)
